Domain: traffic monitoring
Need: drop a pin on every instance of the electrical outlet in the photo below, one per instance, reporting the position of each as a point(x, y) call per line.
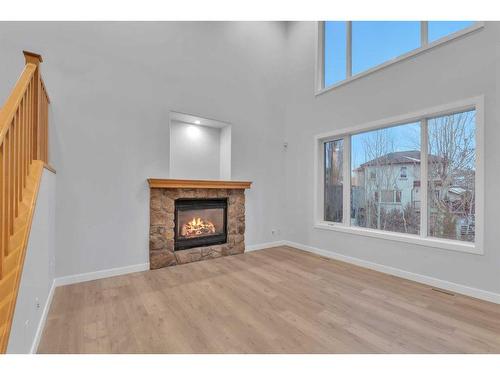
point(37, 303)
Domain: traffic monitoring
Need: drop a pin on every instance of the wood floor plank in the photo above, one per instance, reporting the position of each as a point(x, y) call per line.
point(278, 300)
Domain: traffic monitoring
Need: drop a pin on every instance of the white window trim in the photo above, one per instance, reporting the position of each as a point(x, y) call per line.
point(477, 247)
point(425, 46)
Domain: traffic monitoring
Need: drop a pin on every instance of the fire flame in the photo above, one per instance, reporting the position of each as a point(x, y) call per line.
point(197, 227)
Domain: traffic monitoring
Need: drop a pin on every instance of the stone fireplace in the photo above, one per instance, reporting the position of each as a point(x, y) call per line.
point(192, 220)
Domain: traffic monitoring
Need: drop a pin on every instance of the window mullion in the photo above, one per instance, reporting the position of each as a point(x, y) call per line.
point(349, 49)
point(424, 167)
point(346, 170)
point(320, 64)
point(424, 33)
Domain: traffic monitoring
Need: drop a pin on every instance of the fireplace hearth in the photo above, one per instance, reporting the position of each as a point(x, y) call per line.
point(200, 222)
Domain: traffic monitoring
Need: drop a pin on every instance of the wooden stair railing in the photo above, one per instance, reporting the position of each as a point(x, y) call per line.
point(23, 154)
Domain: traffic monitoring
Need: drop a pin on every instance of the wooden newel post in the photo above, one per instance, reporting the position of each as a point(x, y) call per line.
point(35, 59)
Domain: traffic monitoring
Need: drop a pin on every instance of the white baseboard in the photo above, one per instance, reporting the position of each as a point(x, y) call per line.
point(102, 274)
point(89, 276)
point(432, 281)
point(262, 246)
point(43, 319)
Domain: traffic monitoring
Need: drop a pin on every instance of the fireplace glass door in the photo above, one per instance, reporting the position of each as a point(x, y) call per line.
point(200, 222)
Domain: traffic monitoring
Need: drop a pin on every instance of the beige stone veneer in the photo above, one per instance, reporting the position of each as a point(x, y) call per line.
point(161, 231)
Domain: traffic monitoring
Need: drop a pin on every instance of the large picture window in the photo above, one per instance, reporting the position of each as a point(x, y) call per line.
point(417, 179)
point(350, 49)
point(385, 201)
point(451, 176)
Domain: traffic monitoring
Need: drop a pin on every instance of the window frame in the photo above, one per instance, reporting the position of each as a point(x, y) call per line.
point(398, 196)
point(425, 45)
point(476, 247)
point(385, 194)
point(405, 177)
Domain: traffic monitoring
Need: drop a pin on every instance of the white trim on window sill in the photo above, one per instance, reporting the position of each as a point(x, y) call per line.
point(415, 52)
point(438, 243)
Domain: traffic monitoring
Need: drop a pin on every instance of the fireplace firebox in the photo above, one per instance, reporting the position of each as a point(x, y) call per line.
point(200, 222)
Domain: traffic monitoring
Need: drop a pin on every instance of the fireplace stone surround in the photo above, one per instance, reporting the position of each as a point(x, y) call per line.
point(164, 193)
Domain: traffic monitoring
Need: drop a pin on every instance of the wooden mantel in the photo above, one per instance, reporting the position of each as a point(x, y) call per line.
point(197, 184)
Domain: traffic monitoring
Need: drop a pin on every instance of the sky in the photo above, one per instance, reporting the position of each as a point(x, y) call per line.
point(403, 138)
point(375, 42)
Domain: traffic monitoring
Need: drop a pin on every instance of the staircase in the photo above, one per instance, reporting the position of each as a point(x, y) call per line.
point(23, 155)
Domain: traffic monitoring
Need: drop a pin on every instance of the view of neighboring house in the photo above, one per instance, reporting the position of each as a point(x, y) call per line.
point(386, 194)
point(392, 180)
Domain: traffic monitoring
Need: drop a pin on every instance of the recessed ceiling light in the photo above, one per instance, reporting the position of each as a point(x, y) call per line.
point(197, 122)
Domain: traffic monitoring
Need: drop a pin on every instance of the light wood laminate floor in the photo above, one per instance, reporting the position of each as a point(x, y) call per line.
point(278, 300)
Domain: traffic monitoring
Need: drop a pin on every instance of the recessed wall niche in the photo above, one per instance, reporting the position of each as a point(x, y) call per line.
point(200, 148)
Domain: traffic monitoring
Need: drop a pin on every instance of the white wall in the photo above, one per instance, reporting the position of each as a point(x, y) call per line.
point(112, 86)
point(464, 68)
point(38, 272)
point(195, 151)
point(225, 153)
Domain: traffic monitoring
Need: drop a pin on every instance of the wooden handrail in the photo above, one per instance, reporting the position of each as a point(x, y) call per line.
point(23, 152)
point(12, 104)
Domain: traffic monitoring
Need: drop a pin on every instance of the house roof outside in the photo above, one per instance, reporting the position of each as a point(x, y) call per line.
point(399, 157)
